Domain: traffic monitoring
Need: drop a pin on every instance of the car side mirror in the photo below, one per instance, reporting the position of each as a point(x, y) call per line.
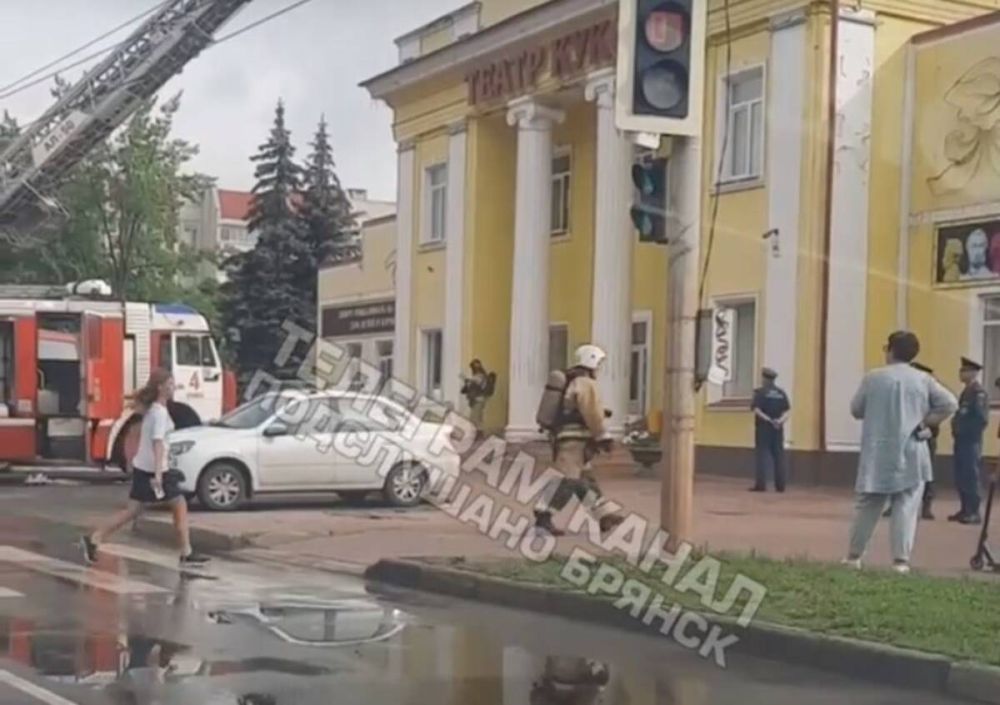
point(278, 428)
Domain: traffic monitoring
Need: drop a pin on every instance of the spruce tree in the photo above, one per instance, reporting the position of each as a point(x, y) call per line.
point(326, 210)
point(264, 288)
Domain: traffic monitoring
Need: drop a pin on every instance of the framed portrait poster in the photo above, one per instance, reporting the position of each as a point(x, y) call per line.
point(967, 254)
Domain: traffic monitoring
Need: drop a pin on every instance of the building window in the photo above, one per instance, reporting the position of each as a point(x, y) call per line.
point(354, 365)
point(991, 345)
point(430, 354)
point(744, 348)
point(560, 192)
point(744, 106)
point(384, 350)
point(638, 385)
point(558, 347)
point(435, 203)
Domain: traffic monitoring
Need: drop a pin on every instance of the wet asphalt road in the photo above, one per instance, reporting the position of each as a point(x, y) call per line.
point(134, 630)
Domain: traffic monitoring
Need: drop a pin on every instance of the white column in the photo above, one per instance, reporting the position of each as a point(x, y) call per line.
point(455, 294)
point(612, 290)
point(786, 103)
point(529, 314)
point(848, 282)
point(402, 349)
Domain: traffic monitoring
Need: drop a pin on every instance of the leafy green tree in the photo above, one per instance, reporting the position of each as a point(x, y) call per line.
point(122, 206)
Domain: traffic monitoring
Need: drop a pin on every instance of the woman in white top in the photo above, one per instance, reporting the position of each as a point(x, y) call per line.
point(151, 482)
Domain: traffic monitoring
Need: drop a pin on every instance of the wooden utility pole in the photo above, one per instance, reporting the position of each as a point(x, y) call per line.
point(677, 436)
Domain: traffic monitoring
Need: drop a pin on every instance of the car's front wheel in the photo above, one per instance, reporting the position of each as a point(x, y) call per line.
point(222, 487)
point(405, 485)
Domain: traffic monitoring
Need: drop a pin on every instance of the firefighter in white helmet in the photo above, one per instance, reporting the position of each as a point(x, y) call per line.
point(577, 434)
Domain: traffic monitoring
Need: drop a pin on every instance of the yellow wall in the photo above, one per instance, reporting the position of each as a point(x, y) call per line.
point(428, 260)
point(498, 10)
point(436, 40)
point(942, 316)
point(737, 266)
point(366, 278)
point(571, 267)
point(490, 247)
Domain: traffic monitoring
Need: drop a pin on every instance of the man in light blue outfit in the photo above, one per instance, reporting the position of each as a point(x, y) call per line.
point(898, 404)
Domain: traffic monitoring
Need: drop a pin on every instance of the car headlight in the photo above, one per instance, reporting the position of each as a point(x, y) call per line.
point(181, 448)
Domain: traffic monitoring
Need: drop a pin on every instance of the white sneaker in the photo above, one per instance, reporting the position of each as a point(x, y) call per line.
point(852, 563)
point(901, 568)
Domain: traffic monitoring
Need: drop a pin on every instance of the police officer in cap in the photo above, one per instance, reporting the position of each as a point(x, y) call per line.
point(771, 409)
point(970, 421)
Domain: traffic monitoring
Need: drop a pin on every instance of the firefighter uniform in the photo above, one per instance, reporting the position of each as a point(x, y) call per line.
point(577, 434)
point(967, 427)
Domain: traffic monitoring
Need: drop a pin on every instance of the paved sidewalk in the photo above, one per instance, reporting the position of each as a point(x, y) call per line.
point(808, 522)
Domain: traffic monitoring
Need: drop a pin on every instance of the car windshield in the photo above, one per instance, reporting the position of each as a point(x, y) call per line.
point(254, 413)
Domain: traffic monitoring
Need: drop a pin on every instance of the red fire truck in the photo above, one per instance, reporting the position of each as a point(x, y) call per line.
point(70, 363)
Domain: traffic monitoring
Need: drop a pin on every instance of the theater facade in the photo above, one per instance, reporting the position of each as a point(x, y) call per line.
point(850, 182)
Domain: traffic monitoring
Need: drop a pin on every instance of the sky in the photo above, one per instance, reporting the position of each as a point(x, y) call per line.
point(312, 58)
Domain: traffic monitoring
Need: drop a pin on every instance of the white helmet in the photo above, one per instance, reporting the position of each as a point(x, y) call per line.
point(589, 356)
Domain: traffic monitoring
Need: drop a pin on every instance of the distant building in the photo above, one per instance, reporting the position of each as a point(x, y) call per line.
point(218, 221)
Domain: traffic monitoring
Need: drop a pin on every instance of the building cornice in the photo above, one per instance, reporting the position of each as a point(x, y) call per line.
point(518, 28)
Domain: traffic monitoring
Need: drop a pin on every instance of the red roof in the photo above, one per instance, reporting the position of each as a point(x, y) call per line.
point(234, 205)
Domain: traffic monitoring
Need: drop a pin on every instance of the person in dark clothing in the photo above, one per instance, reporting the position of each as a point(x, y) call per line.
point(928, 498)
point(967, 427)
point(771, 409)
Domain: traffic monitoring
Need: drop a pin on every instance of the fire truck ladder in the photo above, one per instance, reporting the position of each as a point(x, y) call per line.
point(34, 163)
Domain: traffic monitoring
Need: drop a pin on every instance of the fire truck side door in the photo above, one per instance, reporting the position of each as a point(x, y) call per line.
point(17, 429)
point(102, 359)
point(197, 374)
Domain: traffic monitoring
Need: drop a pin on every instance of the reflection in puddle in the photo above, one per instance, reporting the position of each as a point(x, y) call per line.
point(307, 622)
point(299, 649)
point(569, 681)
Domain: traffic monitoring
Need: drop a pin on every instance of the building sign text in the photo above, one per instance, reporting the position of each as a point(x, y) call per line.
point(507, 77)
point(359, 319)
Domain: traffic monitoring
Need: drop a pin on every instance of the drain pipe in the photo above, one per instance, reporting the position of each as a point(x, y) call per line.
point(828, 215)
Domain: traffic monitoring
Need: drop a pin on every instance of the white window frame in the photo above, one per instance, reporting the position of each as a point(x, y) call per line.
point(645, 404)
point(977, 336)
point(425, 363)
point(724, 113)
point(716, 393)
point(566, 178)
point(428, 234)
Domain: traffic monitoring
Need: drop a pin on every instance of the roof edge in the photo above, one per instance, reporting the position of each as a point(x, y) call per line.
point(957, 28)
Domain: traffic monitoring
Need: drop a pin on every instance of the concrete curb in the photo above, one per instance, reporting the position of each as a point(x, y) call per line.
point(850, 657)
point(162, 531)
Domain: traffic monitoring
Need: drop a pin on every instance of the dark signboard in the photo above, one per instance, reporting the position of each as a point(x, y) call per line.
point(968, 254)
point(359, 319)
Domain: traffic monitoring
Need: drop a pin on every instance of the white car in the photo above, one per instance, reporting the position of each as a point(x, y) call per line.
point(331, 441)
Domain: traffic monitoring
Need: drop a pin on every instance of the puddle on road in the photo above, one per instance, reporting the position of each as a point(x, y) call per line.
point(315, 645)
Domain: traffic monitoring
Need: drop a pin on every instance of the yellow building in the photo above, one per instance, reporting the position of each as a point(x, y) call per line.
point(357, 297)
point(823, 147)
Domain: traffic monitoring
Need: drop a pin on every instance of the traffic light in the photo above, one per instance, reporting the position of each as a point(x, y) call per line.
point(649, 214)
point(661, 66)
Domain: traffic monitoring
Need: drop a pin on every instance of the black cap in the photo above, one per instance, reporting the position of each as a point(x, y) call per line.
point(768, 373)
point(968, 364)
point(922, 368)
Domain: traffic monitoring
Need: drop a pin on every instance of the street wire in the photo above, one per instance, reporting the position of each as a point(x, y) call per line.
point(105, 50)
point(722, 158)
point(89, 44)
